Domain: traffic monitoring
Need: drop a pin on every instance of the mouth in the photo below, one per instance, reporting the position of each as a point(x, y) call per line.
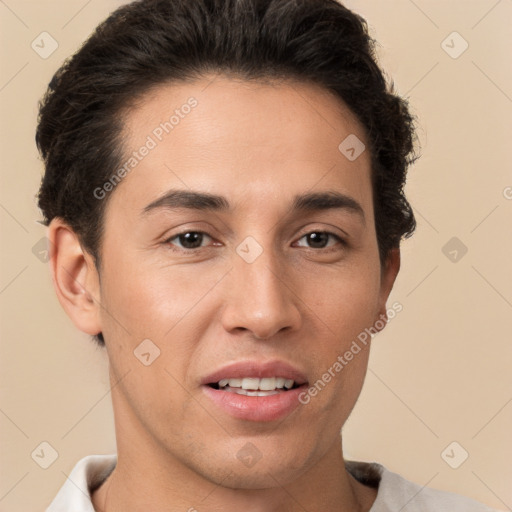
point(255, 391)
point(254, 386)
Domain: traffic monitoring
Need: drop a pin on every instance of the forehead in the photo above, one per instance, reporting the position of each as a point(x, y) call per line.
point(227, 104)
point(220, 134)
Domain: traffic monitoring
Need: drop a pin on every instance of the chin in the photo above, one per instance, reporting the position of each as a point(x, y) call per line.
point(253, 468)
point(256, 478)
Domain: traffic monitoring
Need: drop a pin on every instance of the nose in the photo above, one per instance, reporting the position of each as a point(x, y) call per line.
point(260, 298)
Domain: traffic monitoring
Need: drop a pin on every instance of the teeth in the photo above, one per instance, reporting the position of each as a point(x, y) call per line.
point(245, 392)
point(248, 383)
point(267, 384)
point(280, 382)
point(255, 384)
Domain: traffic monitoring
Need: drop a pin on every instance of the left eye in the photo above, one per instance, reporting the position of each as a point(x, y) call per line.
point(189, 239)
point(320, 239)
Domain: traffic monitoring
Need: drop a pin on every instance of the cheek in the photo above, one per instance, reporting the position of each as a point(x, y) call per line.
point(342, 308)
point(151, 338)
point(150, 299)
point(162, 310)
point(346, 301)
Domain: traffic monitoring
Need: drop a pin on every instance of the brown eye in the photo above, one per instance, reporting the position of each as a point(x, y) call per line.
point(188, 240)
point(320, 239)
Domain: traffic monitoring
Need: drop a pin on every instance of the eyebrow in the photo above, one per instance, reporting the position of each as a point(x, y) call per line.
point(313, 201)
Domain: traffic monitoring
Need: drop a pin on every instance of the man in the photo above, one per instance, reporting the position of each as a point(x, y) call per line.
point(224, 195)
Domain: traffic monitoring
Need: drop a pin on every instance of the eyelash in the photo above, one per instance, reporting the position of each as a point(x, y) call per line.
point(168, 242)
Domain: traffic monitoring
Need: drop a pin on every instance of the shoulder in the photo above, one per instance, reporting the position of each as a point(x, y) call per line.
point(87, 475)
point(397, 493)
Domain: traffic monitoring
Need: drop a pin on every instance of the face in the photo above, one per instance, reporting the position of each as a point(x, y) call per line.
point(241, 247)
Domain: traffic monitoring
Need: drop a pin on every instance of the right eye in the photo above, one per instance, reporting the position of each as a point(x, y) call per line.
point(188, 240)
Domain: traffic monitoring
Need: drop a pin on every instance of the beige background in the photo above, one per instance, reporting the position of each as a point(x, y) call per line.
point(441, 370)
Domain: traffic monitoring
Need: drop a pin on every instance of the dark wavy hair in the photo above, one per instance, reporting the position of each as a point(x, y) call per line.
point(150, 42)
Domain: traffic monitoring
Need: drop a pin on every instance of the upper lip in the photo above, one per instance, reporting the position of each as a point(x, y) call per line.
point(256, 369)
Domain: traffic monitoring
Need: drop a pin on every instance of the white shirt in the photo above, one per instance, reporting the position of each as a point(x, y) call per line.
point(395, 493)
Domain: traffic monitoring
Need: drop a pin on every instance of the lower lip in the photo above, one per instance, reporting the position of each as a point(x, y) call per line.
point(256, 408)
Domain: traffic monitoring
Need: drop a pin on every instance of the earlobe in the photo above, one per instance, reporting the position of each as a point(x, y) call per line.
point(75, 277)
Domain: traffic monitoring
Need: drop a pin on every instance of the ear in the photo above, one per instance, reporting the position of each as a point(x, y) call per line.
point(389, 272)
point(75, 278)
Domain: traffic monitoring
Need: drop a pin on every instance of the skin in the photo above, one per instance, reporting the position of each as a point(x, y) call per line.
point(258, 145)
